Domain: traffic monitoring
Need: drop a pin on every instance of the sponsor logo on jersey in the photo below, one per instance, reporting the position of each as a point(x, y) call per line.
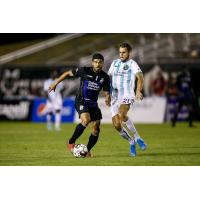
point(125, 67)
point(93, 86)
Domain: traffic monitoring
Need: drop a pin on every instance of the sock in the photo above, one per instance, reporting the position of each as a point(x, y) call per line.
point(77, 133)
point(49, 115)
point(92, 141)
point(57, 120)
point(132, 128)
point(126, 136)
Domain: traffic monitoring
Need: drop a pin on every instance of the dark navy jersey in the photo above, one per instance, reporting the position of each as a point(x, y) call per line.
point(91, 84)
point(184, 85)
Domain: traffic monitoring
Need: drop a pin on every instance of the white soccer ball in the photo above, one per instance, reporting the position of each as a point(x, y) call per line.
point(80, 150)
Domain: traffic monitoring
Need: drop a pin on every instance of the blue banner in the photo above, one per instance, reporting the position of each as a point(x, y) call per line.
point(68, 110)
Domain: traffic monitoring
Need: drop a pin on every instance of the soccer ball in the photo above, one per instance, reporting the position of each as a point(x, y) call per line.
point(80, 150)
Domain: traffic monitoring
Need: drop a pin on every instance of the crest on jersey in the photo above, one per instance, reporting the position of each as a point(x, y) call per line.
point(102, 80)
point(81, 107)
point(125, 67)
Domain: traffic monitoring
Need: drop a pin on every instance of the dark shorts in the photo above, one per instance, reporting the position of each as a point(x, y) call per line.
point(185, 100)
point(95, 112)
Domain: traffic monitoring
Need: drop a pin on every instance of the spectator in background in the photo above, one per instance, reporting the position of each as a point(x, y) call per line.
point(194, 52)
point(159, 85)
point(54, 102)
point(185, 96)
point(171, 87)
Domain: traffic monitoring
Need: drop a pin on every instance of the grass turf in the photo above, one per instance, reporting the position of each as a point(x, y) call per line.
point(30, 144)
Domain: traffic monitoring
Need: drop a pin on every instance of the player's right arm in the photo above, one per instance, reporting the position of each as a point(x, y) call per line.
point(140, 81)
point(60, 79)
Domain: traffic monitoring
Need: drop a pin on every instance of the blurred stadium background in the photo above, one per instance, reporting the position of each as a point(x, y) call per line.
point(26, 61)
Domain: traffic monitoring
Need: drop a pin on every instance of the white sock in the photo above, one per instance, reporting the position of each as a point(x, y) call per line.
point(126, 136)
point(49, 120)
point(132, 128)
point(57, 120)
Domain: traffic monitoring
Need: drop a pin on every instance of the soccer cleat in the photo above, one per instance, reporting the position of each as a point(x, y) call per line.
point(57, 129)
point(141, 144)
point(132, 149)
point(70, 147)
point(49, 127)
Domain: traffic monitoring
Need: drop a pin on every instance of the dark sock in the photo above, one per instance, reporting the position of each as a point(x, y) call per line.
point(77, 133)
point(92, 141)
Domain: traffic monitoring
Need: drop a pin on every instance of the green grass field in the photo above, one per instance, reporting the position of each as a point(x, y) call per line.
point(30, 144)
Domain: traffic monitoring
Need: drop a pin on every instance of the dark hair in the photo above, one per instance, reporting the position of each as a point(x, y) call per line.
point(97, 56)
point(126, 45)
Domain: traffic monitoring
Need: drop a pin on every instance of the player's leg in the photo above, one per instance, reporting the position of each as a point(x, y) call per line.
point(93, 136)
point(57, 119)
point(123, 111)
point(49, 120)
point(118, 126)
point(48, 111)
point(95, 116)
point(177, 110)
point(85, 120)
point(117, 123)
point(57, 103)
point(190, 112)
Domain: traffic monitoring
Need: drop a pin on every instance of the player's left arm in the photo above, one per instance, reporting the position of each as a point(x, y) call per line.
point(140, 81)
point(107, 97)
point(106, 90)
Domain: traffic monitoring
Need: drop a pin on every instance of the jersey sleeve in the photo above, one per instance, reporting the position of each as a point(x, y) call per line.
point(46, 86)
point(136, 68)
point(106, 85)
point(110, 71)
point(60, 86)
point(78, 72)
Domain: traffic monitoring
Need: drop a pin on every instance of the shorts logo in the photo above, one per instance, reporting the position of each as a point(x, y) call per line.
point(125, 67)
point(81, 107)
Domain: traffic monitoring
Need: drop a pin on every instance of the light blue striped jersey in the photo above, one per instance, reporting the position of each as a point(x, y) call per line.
point(123, 77)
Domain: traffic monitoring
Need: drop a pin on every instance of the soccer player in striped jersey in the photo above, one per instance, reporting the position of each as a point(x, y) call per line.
point(124, 71)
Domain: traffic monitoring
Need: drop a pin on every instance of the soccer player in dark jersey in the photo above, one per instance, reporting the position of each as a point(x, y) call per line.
point(185, 96)
point(92, 81)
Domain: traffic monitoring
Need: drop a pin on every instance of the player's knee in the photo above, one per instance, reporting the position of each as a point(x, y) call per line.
point(85, 121)
point(96, 131)
point(58, 111)
point(50, 113)
point(117, 125)
point(123, 117)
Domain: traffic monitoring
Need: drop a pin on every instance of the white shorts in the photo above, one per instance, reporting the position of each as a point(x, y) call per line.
point(53, 106)
point(116, 102)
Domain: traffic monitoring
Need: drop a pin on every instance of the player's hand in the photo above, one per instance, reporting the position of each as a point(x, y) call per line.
point(139, 95)
point(52, 87)
point(108, 100)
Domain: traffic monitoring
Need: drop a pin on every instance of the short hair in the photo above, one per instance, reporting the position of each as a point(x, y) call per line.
point(126, 45)
point(97, 56)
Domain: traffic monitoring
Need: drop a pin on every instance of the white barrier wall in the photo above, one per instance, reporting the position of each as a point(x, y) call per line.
point(149, 110)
